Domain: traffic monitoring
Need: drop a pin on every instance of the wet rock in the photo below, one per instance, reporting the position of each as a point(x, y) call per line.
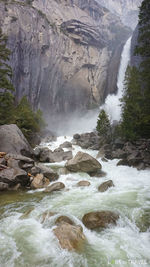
point(66, 145)
point(2, 161)
point(105, 186)
point(27, 167)
point(57, 155)
point(47, 215)
point(26, 214)
point(105, 151)
point(70, 237)
point(17, 161)
point(3, 186)
point(39, 181)
point(37, 152)
point(13, 141)
point(45, 170)
point(46, 155)
point(98, 174)
point(99, 219)
point(12, 176)
point(76, 136)
point(83, 183)
point(83, 162)
point(143, 221)
point(16, 187)
point(104, 159)
point(119, 153)
point(64, 219)
point(122, 162)
point(87, 140)
point(55, 187)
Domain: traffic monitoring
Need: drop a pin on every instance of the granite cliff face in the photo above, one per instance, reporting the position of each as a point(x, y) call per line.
point(126, 9)
point(62, 52)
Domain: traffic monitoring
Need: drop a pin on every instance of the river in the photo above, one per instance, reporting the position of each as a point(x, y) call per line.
point(28, 242)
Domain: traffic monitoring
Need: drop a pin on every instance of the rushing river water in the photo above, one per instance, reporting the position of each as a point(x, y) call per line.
point(28, 242)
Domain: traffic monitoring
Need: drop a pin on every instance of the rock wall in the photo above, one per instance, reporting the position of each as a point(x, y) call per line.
point(62, 52)
point(127, 10)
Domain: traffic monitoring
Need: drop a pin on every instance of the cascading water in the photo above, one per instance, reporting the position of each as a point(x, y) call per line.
point(112, 104)
point(27, 241)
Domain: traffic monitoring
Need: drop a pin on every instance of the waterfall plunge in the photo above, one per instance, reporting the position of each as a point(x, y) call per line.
point(112, 104)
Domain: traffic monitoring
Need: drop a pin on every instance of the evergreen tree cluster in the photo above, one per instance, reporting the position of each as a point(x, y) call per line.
point(136, 101)
point(135, 122)
point(21, 114)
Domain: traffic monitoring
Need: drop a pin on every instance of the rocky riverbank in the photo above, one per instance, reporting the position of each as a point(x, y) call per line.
point(135, 154)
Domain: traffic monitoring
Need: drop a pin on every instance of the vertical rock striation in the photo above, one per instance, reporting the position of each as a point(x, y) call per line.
point(62, 52)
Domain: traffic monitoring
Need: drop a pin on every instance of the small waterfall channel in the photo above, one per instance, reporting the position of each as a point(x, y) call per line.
point(29, 242)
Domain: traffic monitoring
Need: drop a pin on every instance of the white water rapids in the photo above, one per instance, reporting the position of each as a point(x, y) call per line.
point(28, 242)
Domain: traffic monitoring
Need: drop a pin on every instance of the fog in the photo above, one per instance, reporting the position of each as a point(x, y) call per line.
point(73, 123)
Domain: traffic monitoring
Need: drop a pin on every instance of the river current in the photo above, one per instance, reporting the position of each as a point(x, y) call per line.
point(26, 241)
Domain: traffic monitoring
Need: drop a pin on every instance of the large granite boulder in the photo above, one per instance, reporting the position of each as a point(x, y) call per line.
point(58, 155)
point(87, 140)
point(45, 170)
point(83, 183)
point(70, 237)
point(13, 141)
point(13, 176)
point(99, 219)
point(83, 162)
point(64, 219)
point(105, 186)
point(39, 181)
point(55, 187)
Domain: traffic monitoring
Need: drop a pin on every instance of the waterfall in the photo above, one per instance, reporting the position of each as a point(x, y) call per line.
point(112, 104)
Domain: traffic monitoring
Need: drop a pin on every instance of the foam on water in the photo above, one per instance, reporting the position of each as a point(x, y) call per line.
point(29, 242)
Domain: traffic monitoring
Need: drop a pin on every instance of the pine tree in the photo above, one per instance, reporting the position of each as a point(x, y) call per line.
point(136, 101)
point(132, 101)
point(27, 120)
point(143, 49)
point(103, 125)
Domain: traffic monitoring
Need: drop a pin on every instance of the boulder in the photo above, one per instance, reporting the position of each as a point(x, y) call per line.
point(13, 141)
point(64, 219)
point(54, 187)
point(99, 174)
point(39, 181)
point(99, 219)
point(83, 162)
point(46, 155)
point(87, 140)
point(104, 186)
point(60, 155)
point(45, 170)
point(70, 237)
point(13, 176)
point(57, 155)
point(83, 183)
point(47, 215)
point(66, 145)
point(18, 161)
point(3, 186)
